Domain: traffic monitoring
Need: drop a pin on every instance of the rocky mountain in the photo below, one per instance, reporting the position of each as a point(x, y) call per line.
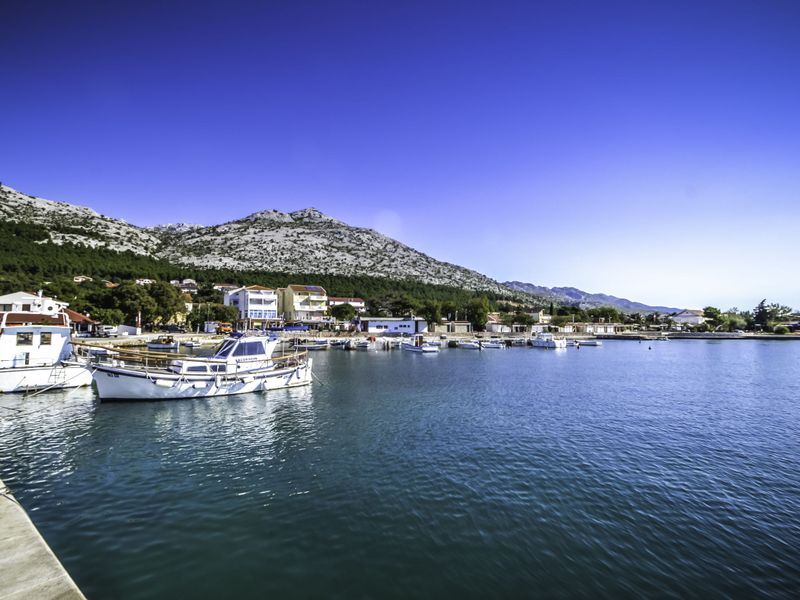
point(304, 241)
point(571, 295)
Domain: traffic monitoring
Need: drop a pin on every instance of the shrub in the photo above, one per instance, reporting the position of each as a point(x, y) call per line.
point(780, 329)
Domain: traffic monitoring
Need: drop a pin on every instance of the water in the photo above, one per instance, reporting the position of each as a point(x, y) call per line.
point(601, 472)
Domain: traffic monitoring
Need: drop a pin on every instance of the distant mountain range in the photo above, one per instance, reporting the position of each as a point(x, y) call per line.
point(303, 241)
point(571, 295)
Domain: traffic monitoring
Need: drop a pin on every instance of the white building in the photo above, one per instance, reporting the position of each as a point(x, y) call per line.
point(305, 303)
point(357, 303)
point(257, 305)
point(144, 281)
point(394, 325)
point(27, 302)
point(689, 317)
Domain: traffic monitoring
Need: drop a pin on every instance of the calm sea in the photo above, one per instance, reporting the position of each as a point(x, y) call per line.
point(621, 471)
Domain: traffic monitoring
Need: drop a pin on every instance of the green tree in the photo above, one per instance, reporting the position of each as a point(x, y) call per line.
point(133, 299)
point(431, 311)
point(761, 314)
point(107, 316)
point(169, 300)
point(343, 312)
point(714, 315)
point(478, 312)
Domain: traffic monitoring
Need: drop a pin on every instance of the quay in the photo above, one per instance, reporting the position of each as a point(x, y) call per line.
point(28, 567)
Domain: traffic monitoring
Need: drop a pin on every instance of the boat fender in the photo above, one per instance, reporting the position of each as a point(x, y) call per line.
point(163, 383)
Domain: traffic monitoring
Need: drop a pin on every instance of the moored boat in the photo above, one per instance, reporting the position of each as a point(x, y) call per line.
point(312, 345)
point(548, 340)
point(418, 344)
point(36, 353)
point(163, 342)
point(240, 365)
point(469, 345)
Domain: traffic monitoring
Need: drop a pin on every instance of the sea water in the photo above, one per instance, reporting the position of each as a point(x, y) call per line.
point(627, 470)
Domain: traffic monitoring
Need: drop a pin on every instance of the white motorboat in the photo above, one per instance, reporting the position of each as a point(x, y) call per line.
point(418, 344)
point(548, 340)
point(192, 344)
point(312, 345)
point(362, 345)
point(589, 343)
point(36, 353)
point(469, 345)
point(240, 365)
point(163, 342)
point(492, 345)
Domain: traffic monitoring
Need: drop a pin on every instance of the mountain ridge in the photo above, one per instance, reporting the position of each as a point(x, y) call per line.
point(572, 295)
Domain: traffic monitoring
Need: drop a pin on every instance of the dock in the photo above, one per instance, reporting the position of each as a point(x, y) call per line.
point(28, 567)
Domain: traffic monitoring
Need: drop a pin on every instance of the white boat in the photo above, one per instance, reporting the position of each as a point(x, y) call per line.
point(163, 342)
point(469, 345)
point(362, 345)
point(192, 344)
point(239, 366)
point(312, 345)
point(492, 345)
point(548, 340)
point(589, 343)
point(418, 344)
point(36, 353)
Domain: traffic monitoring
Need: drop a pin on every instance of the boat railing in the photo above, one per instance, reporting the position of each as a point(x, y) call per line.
point(163, 360)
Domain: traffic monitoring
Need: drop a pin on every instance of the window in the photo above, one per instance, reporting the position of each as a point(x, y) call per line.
point(25, 339)
point(249, 349)
point(26, 307)
point(46, 338)
point(6, 307)
point(196, 369)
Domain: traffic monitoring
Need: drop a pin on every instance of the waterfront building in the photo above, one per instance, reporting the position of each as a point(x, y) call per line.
point(689, 317)
point(257, 305)
point(452, 327)
point(541, 317)
point(304, 303)
point(393, 325)
point(357, 303)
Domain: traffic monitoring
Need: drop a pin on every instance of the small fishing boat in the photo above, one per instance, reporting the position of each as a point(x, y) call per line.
point(548, 340)
point(362, 345)
point(36, 353)
point(418, 344)
point(590, 343)
point(164, 342)
point(492, 345)
point(312, 345)
point(192, 344)
point(240, 365)
point(469, 345)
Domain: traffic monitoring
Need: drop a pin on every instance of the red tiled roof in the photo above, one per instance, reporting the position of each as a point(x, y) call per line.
point(259, 288)
point(307, 288)
point(20, 318)
point(77, 317)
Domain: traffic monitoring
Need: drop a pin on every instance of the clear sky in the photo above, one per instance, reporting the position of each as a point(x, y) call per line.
point(645, 149)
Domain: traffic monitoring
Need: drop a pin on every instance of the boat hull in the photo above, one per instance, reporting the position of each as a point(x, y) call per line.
point(119, 383)
point(421, 349)
point(26, 379)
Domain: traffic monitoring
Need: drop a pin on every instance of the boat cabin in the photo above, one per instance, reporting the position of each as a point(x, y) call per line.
point(33, 339)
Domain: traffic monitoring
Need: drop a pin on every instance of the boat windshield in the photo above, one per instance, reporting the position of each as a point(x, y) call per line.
point(224, 349)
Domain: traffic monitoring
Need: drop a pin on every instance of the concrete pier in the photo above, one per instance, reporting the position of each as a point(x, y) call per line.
point(28, 567)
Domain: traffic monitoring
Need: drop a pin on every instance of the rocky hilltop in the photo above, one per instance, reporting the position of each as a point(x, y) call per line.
point(304, 241)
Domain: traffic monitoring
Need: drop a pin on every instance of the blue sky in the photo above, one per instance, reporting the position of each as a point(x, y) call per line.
point(645, 149)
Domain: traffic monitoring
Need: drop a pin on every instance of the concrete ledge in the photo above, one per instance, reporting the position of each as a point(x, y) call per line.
point(28, 567)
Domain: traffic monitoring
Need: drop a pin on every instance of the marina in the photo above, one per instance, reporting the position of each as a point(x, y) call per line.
point(470, 476)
